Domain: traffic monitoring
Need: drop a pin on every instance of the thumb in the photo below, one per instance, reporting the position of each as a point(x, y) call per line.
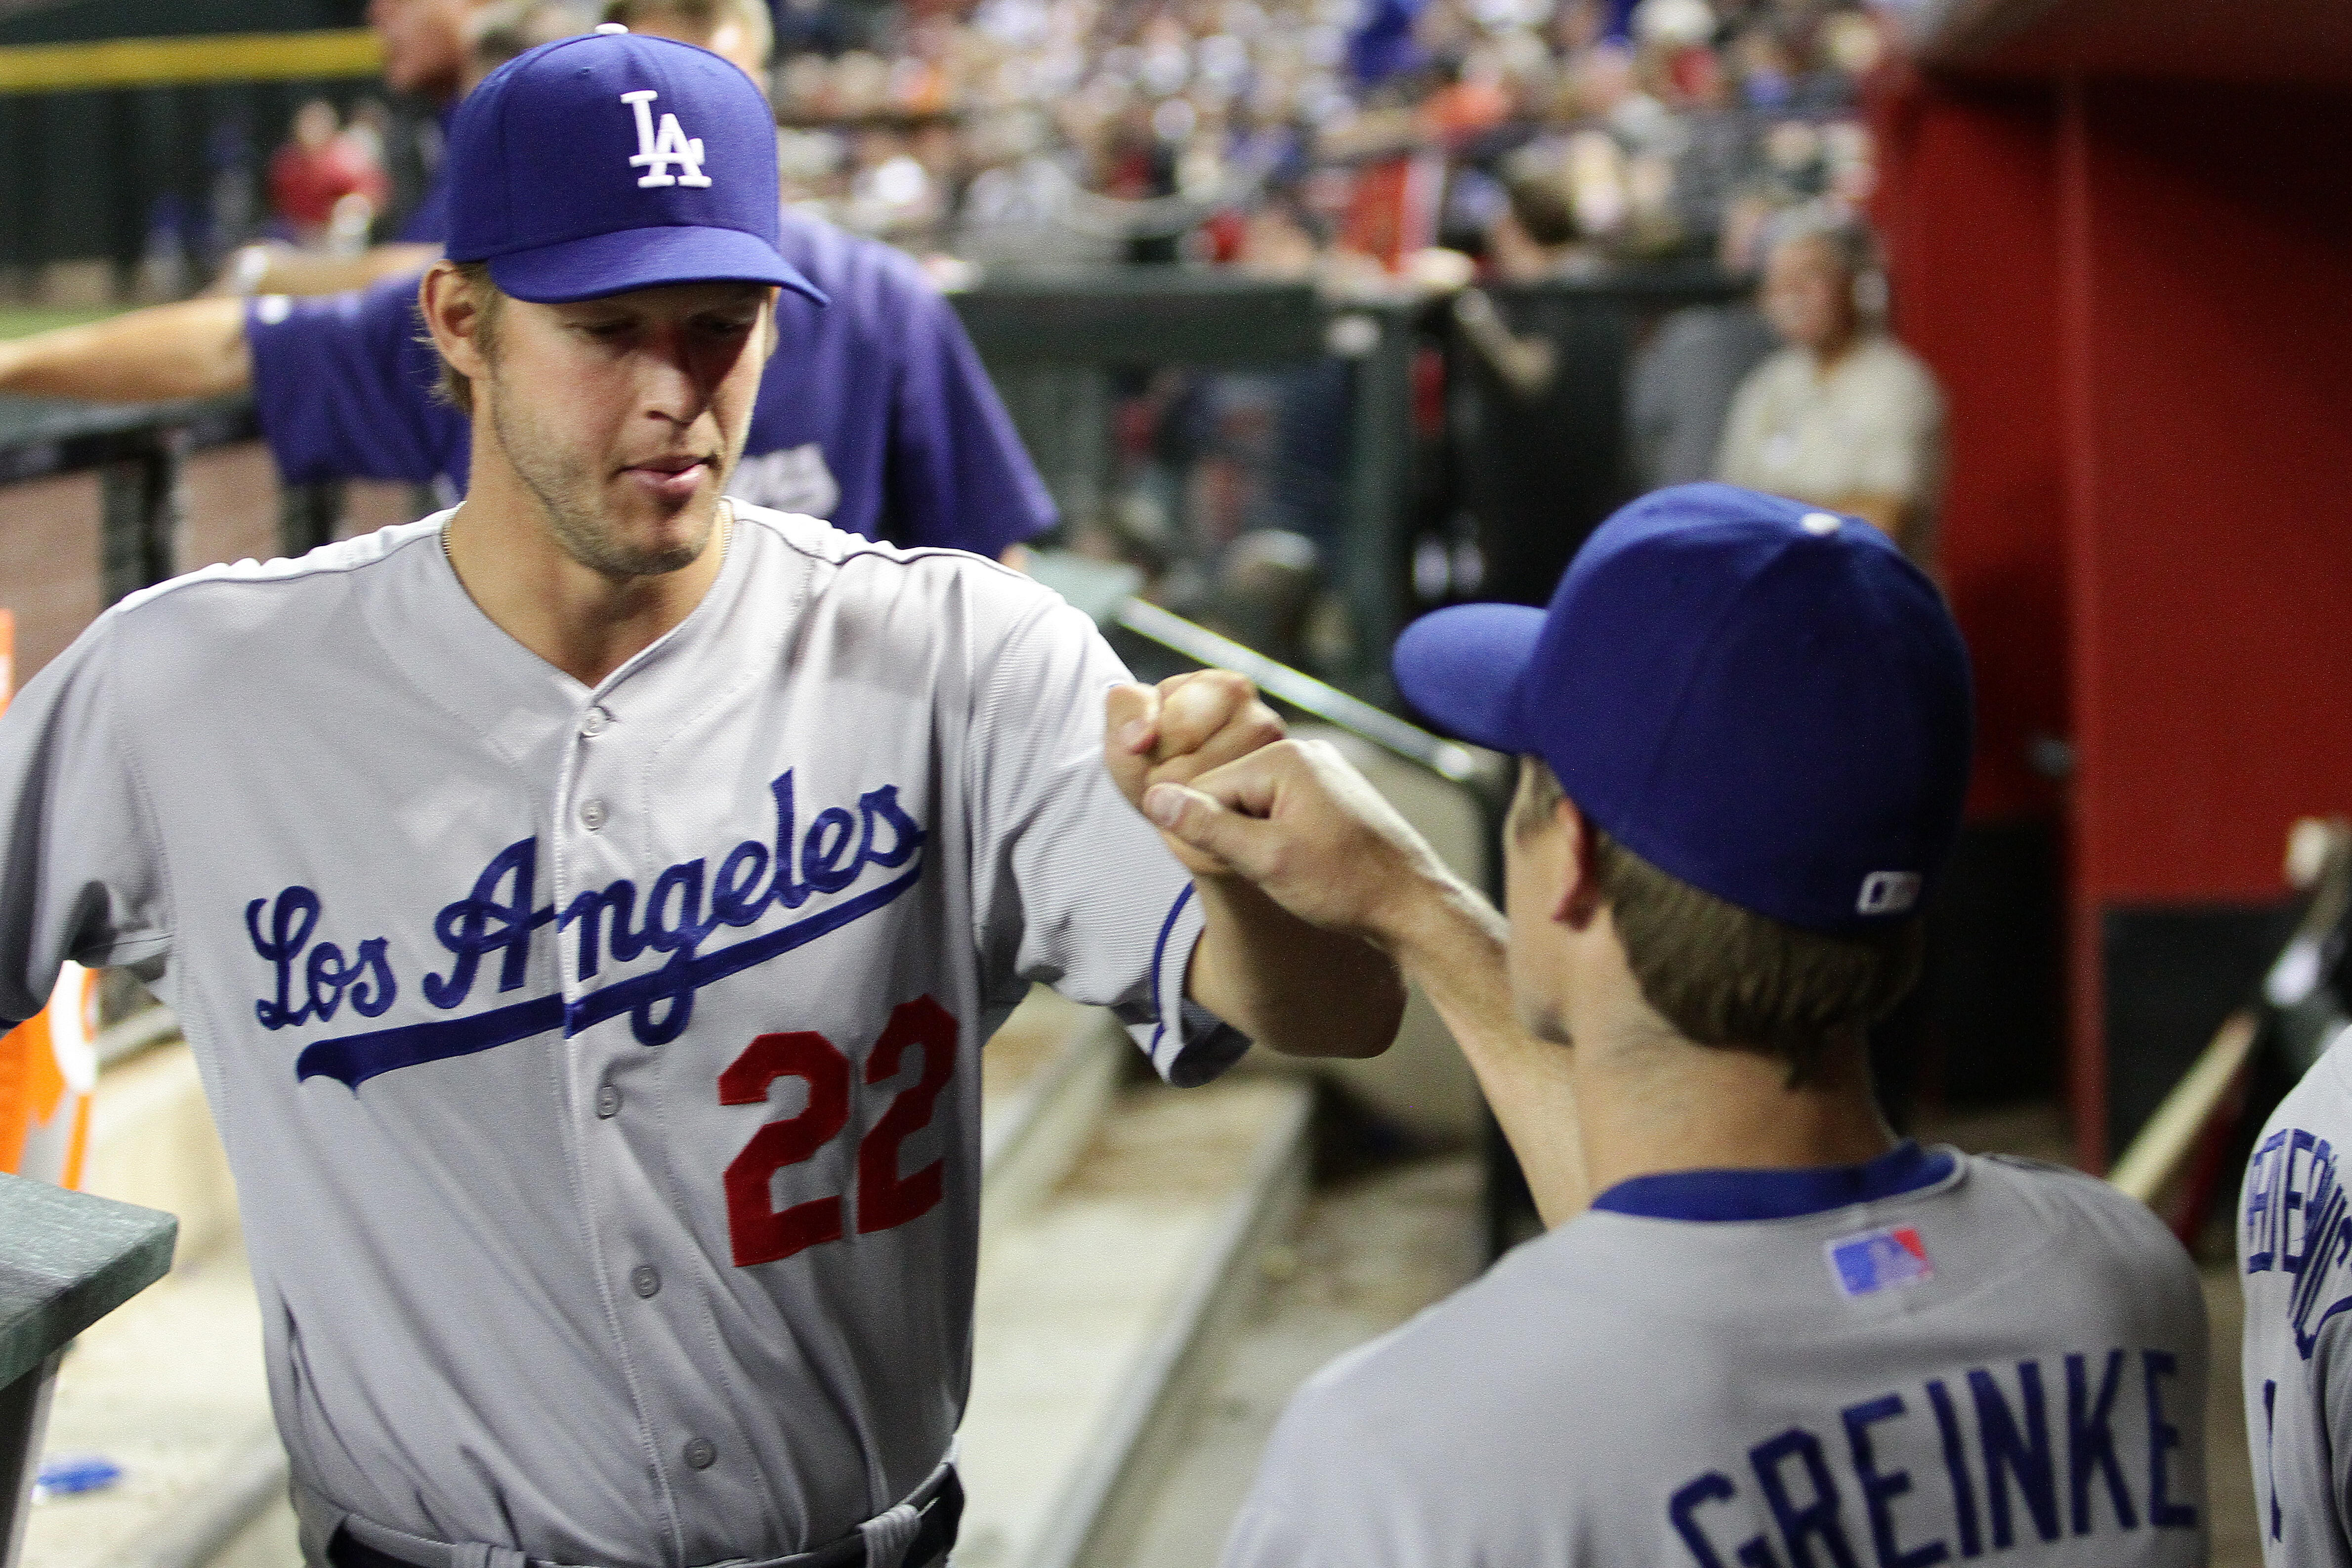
point(1130, 730)
point(1204, 823)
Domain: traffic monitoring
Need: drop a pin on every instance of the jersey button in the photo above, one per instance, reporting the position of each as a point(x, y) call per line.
point(699, 1454)
point(596, 722)
point(646, 1279)
point(591, 814)
point(608, 1100)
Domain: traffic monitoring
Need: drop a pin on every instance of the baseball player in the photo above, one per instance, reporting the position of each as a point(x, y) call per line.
point(1778, 1337)
point(2291, 1262)
point(874, 414)
point(587, 906)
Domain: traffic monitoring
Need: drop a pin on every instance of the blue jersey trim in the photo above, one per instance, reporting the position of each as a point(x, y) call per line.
point(1778, 1194)
point(353, 1060)
point(1157, 948)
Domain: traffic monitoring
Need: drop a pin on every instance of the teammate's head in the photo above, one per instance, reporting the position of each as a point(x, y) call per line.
point(1748, 727)
point(741, 31)
point(607, 299)
point(424, 44)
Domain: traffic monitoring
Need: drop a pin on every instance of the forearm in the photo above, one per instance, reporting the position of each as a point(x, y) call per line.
point(1291, 986)
point(193, 349)
point(279, 269)
point(1450, 942)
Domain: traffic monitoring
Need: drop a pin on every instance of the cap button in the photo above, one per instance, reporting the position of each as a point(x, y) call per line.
point(1820, 525)
point(609, 28)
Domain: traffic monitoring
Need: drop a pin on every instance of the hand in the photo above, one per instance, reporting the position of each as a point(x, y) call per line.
point(1313, 834)
point(1177, 731)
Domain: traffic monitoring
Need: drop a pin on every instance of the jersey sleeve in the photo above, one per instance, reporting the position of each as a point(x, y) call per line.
point(1071, 886)
point(80, 876)
point(959, 475)
point(343, 385)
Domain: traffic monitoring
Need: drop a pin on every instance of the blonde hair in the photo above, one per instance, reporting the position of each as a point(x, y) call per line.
point(706, 15)
point(454, 387)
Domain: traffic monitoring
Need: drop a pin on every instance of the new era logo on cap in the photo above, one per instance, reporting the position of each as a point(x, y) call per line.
point(1875, 1260)
point(1887, 893)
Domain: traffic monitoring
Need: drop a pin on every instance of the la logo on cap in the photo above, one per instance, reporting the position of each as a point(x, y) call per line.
point(657, 150)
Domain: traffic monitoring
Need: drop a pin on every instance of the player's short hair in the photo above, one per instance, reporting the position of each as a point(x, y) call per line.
point(707, 16)
point(455, 388)
point(1539, 201)
point(1726, 976)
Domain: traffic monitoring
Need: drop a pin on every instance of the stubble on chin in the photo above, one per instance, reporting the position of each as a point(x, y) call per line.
point(571, 500)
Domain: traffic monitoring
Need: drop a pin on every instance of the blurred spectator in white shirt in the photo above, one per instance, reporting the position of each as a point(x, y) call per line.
point(1843, 418)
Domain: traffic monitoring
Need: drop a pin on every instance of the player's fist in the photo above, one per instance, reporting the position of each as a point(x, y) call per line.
point(1313, 836)
point(1187, 726)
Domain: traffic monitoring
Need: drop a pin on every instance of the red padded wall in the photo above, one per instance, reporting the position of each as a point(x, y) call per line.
point(2138, 296)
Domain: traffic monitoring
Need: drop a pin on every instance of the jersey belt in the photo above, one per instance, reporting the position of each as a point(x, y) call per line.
point(917, 1531)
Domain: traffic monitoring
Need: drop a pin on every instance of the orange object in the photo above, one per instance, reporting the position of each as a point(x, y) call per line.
point(48, 1064)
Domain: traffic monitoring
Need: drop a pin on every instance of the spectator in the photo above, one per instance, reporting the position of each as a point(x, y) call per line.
point(1843, 418)
point(1680, 384)
point(427, 53)
point(317, 169)
point(1542, 402)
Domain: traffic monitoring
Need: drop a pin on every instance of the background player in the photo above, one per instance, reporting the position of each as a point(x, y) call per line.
point(1779, 1336)
point(875, 414)
point(427, 53)
point(586, 907)
point(2293, 1263)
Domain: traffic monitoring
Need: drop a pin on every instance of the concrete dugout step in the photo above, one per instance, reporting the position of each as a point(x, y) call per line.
point(1100, 1308)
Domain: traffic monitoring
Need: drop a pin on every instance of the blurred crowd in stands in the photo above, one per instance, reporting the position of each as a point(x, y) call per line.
point(1459, 154)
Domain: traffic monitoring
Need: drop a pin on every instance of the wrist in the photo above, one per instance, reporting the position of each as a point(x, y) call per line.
point(1427, 913)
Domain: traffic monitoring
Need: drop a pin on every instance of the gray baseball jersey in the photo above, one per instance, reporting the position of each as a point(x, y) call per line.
point(1930, 1358)
point(599, 1068)
point(2295, 1260)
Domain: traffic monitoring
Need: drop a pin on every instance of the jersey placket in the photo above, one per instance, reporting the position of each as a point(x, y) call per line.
point(613, 1087)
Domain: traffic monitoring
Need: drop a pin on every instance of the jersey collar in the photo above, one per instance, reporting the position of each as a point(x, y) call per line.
point(1778, 1194)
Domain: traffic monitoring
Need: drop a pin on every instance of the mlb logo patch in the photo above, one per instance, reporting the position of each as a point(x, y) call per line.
point(1878, 1260)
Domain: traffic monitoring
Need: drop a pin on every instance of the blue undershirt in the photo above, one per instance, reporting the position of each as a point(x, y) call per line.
point(1778, 1194)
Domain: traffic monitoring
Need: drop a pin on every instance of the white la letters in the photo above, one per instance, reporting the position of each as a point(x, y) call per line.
point(656, 153)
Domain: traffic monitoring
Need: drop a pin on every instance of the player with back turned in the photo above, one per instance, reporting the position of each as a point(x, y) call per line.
point(2295, 1263)
point(587, 906)
point(1779, 1338)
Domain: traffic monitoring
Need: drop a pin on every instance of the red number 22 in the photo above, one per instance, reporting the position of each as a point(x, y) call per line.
point(760, 1232)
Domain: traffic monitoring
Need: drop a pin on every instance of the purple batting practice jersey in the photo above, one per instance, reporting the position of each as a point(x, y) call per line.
point(874, 413)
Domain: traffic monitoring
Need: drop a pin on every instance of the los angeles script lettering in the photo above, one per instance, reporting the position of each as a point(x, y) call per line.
point(683, 905)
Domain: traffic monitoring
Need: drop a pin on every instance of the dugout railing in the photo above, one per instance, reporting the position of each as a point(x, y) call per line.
point(67, 1259)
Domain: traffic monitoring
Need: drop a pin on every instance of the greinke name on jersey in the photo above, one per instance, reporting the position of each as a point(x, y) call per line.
point(2028, 1473)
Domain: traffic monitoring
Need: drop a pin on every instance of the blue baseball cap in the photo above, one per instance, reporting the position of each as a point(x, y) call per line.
point(1759, 698)
point(597, 164)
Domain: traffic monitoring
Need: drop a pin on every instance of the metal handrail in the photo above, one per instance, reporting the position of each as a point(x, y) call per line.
point(1450, 760)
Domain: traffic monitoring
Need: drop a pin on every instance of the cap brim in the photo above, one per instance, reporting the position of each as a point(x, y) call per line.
point(1461, 668)
point(604, 264)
